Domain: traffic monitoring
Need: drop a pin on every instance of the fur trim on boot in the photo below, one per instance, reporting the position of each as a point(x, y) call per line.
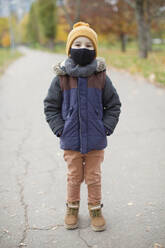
point(97, 220)
point(71, 217)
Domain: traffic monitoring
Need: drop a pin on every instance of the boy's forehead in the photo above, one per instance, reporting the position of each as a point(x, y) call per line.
point(82, 38)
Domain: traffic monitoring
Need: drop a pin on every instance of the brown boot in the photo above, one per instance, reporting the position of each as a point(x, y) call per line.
point(71, 217)
point(97, 220)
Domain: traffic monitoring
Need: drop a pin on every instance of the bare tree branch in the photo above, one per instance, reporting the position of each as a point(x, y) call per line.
point(77, 14)
point(159, 12)
point(131, 3)
point(66, 13)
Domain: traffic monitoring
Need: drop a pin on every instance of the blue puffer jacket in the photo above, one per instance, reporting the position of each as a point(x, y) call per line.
point(82, 106)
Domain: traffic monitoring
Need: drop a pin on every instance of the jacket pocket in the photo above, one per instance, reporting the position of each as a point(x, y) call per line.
point(70, 128)
point(66, 111)
point(99, 112)
point(69, 112)
point(96, 127)
point(100, 121)
point(71, 124)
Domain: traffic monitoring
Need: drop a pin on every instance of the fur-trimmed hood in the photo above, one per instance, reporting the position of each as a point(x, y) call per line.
point(69, 67)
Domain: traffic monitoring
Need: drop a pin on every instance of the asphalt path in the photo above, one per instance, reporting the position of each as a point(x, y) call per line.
point(33, 171)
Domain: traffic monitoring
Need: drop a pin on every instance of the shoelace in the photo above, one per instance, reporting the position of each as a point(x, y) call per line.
point(97, 212)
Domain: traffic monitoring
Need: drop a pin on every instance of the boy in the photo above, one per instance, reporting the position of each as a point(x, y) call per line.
point(82, 108)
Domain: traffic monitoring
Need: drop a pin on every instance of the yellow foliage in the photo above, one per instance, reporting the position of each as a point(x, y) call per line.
point(4, 26)
point(5, 41)
point(134, 68)
point(61, 32)
point(24, 20)
point(111, 38)
point(23, 27)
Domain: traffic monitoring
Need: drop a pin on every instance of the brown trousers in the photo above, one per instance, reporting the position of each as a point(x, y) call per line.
point(82, 167)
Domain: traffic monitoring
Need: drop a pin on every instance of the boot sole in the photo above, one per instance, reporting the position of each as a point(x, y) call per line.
point(70, 227)
point(98, 229)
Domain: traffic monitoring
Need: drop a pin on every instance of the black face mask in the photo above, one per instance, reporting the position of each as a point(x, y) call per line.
point(82, 56)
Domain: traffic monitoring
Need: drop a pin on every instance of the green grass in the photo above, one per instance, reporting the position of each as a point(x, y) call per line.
point(154, 65)
point(58, 48)
point(6, 57)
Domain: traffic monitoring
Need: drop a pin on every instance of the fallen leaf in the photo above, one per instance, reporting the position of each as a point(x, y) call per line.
point(139, 214)
point(95, 246)
point(22, 244)
point(152, 77)
point(156, 245)
point(54, 228)
point(12, 215)
point(150, 203)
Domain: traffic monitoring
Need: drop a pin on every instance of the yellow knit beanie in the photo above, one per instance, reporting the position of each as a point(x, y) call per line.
point(81, 29)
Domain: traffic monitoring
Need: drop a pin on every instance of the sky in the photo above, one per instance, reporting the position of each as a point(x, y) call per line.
point(18, 6)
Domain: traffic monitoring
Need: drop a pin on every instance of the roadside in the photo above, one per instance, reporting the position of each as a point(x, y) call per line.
point(136, 76)
point(7, 57)
point(151, 69)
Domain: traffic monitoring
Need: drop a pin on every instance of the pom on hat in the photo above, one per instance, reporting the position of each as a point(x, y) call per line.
point(81, 29)
point(80, 24)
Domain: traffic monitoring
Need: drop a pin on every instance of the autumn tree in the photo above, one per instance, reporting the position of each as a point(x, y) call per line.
point(117, 18)
point(146, 11)
point(47, 17)
point(104, 17)
point(4, 28)
point(33, 24)
point(5, 40)
point(71, 11)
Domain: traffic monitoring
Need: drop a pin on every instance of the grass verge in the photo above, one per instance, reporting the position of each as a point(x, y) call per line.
point(151, 68)
point(6, 57)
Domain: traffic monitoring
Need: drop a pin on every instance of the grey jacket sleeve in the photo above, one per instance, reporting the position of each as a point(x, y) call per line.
point(111, 105)
point(52, 106)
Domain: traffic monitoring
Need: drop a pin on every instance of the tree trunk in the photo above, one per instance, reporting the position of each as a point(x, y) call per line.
point(142, 37)
point(77, 14)
point(149, 38)
point(50, 43)
point(67, 15)
point(148, 25)
point(123, 42)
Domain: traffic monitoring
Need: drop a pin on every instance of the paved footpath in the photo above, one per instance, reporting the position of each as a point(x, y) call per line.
point(33, 172)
